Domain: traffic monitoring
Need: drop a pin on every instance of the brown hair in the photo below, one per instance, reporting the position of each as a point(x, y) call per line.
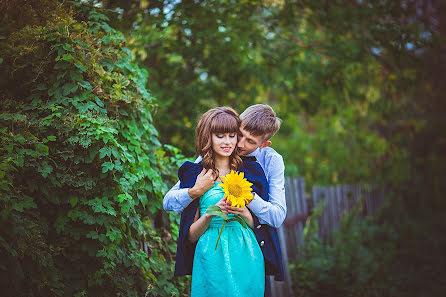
point(260, 120)
point(217, 120)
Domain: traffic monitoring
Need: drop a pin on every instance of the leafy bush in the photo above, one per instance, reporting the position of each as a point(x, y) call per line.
point(82, 172)
point(354, 263)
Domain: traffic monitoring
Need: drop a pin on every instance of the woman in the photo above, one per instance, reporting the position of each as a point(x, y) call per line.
point(236, 266)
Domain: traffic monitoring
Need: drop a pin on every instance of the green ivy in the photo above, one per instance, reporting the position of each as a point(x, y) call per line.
point(82, 172)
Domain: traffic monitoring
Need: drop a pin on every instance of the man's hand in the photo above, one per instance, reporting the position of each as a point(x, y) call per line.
point(205, 181)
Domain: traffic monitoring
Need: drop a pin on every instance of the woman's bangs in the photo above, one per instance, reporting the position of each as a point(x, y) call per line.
point(224, 123)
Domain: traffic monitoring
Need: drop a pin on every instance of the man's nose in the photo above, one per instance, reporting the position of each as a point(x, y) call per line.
point(241, 143)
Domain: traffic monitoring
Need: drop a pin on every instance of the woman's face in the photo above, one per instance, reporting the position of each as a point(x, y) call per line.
point(223, 144)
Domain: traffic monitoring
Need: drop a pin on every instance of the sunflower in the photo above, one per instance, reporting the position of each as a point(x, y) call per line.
point(237, 189)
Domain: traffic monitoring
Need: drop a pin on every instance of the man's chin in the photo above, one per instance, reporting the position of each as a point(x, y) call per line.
point(242, 153)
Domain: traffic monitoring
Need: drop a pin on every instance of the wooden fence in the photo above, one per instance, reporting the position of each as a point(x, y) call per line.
point(338, 199)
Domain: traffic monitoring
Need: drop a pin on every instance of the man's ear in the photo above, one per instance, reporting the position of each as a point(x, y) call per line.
point(265, 144)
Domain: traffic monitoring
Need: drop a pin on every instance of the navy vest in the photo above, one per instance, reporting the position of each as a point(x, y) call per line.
point(266, 235)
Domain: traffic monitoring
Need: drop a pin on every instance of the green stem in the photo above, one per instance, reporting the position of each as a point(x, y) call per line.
point(219, 234)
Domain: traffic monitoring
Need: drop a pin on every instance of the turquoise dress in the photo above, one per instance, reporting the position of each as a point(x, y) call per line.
point(236, 267)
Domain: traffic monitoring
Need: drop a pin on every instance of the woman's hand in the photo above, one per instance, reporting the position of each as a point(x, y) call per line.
point(223, 204)
point(243, 212)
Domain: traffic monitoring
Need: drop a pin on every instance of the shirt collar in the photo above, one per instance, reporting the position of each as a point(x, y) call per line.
point(254, 153)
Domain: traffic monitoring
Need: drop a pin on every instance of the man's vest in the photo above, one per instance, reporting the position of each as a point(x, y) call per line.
point(266, 235)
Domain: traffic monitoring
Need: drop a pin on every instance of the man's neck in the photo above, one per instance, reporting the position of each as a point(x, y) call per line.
point(254, 153)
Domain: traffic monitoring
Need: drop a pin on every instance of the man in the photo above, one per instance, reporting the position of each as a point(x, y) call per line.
point(259, 124)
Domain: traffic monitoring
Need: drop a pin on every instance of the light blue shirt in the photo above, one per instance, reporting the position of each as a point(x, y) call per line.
point(271, 212)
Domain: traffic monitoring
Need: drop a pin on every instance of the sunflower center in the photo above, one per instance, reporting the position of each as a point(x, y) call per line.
point(235, 190)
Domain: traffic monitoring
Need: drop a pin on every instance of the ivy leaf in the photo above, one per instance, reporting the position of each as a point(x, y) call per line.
point(20, 139)
point(92, 235)
point(45, 169)
point(98, 102)
point(114, 235)
point(68, 48)
point(67, 57)
point(26, 203)
point(60, 223)
point(125, 196)
point(142, 198)
point(41, 87)
point(69, 88)
point(73, 201)
point(85, 85)
point(107, 166)
point(42, 149)
point(105, 151)
point(80, 66)
point(76, 75)
point(49, 138)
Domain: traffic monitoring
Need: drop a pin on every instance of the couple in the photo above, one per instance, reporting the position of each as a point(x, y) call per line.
point(225, 142)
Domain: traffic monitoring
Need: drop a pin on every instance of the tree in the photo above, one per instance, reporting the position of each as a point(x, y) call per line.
point(82, 170)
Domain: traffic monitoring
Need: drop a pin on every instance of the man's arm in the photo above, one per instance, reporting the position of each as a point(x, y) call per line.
point(178, 199)
point(273, 211)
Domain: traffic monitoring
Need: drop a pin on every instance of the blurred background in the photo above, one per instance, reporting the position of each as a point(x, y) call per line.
point(359, 86)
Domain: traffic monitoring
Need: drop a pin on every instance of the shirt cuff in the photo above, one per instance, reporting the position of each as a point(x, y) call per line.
point(183, 197)
point(257, 204)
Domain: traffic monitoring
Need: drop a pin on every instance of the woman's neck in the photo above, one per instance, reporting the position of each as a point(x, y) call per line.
point(222, 164)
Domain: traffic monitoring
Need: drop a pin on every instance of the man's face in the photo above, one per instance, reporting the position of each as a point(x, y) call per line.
point(247, 143)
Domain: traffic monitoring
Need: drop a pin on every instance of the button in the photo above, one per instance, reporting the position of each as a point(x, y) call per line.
point(259, 226)
point(262, 243)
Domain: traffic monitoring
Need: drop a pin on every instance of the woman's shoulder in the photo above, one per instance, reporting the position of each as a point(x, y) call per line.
point(188, 165)
point(252, 169)
point(251, 165)
point(254, 173)
point(188, 172)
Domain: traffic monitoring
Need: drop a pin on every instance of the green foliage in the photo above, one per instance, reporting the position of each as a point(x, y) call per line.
point(341, 76)
point(359, 86)
point(82, 170)
point(397, 253)
point(322, 144)
point(353, 264)
point(199, 54)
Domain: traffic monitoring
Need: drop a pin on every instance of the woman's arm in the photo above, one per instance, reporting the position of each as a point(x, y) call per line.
point(199, 226)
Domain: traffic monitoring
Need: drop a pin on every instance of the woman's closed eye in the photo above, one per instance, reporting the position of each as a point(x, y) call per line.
point(231, 135)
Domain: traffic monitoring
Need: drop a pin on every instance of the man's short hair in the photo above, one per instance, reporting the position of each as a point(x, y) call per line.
point(260, 119)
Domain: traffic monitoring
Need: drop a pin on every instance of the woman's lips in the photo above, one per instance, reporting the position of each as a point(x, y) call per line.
point(226, 149)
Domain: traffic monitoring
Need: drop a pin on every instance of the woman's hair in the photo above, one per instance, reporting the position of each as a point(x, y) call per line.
point(217, 120)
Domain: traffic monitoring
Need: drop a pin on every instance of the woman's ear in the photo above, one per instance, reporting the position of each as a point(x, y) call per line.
point(265, 144)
